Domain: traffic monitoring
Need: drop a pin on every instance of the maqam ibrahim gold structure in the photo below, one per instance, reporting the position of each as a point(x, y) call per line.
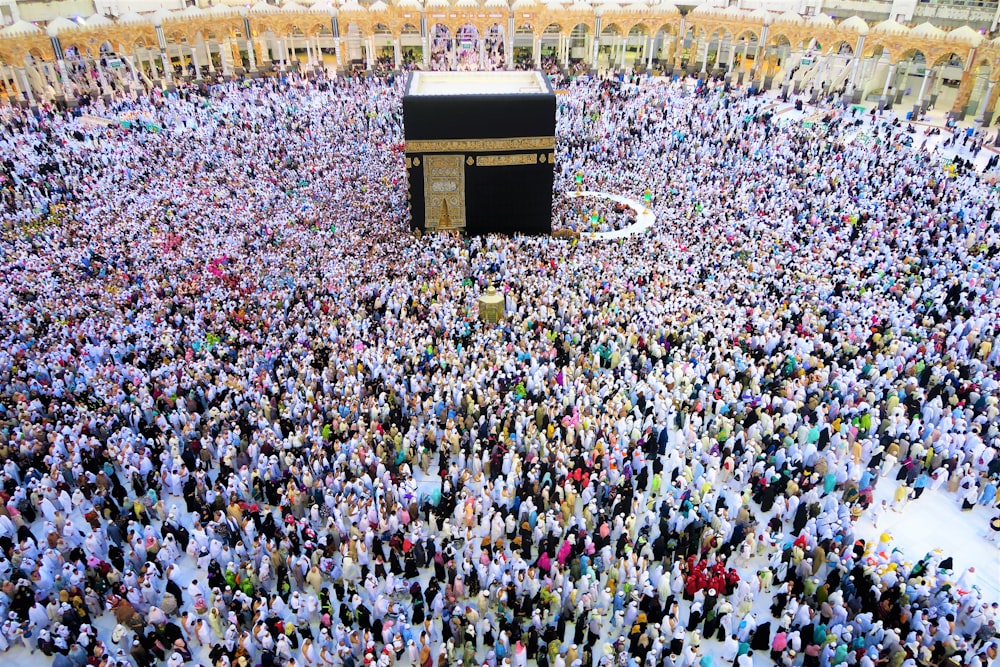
point(65, 59)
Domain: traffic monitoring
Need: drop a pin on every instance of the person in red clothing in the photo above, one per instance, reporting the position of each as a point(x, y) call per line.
point(695, 582)
point(732, 578)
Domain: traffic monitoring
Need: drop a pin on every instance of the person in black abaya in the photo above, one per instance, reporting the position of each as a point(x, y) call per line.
point(761, 640)
point(418, 602)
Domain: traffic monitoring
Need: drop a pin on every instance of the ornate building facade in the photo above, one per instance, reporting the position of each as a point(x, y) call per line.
point(880, 63)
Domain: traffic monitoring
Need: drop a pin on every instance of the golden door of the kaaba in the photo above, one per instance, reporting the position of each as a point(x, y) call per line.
point(444, 192)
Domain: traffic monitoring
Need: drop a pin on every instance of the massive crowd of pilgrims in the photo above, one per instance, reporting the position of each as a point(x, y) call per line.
point(248, 418)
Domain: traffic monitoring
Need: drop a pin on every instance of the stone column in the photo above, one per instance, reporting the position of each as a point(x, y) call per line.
point(679, 43)
point(981, 116)
point(13, 83)
point(152, 64)
point(824, 66)
point(208, 54)
point(481, 46)
point(168, 70)
point(858, 55)
point(964, 93)
point(918, 107)
point(196, 62)
point(67, 81)
point(130, 61)
point(958, 110)
point(397, 53)
point(743, 61)
point(226, 57)
point(22, 77)
point(596, 47)
point(759, 55)
point(105, 88)
point(508, 44)
point(48, 74)
point(989, 103)
point(888, 82)
point(536, 50)
point(251, 55)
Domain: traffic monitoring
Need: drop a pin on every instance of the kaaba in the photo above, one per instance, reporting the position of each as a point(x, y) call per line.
point(480, 151)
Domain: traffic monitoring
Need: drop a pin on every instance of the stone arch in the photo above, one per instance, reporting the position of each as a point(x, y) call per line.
point(876, 50)
point(777, 39)
point(909, 63)
point(523, 42)
point(35, 54)
point(176, 37)
point(639, 28)
point(411, 46)
point(579, 42)
point(745, 48)
point(664, 43)
point(749, 33)
point(879, 47)
point(385, 45)
point(719, 45)
point(353, 45)
point(776, 55)
point(692, 45)
point(145, 52)
point(550, 40)
point(314, 28)
point(667, 29)
point(948, 57)
point(950, 67)
point(842, 48)
point(36, 69)
point(323, 33)
point(609, 45)
point(441, 45)
point(212, 43)
point(74, 51)
point(913, 54)
point(636, 47)
point(694, 26)
point(467, 46)
point(494, 44)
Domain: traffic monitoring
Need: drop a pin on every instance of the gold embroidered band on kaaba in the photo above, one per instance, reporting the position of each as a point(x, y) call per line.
point(506, 160)
point(480, 145)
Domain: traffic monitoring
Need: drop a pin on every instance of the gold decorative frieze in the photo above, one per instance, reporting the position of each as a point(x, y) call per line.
point(506, 160)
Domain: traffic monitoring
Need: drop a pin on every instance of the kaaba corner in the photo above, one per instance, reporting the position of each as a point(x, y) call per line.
point(480, 151)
